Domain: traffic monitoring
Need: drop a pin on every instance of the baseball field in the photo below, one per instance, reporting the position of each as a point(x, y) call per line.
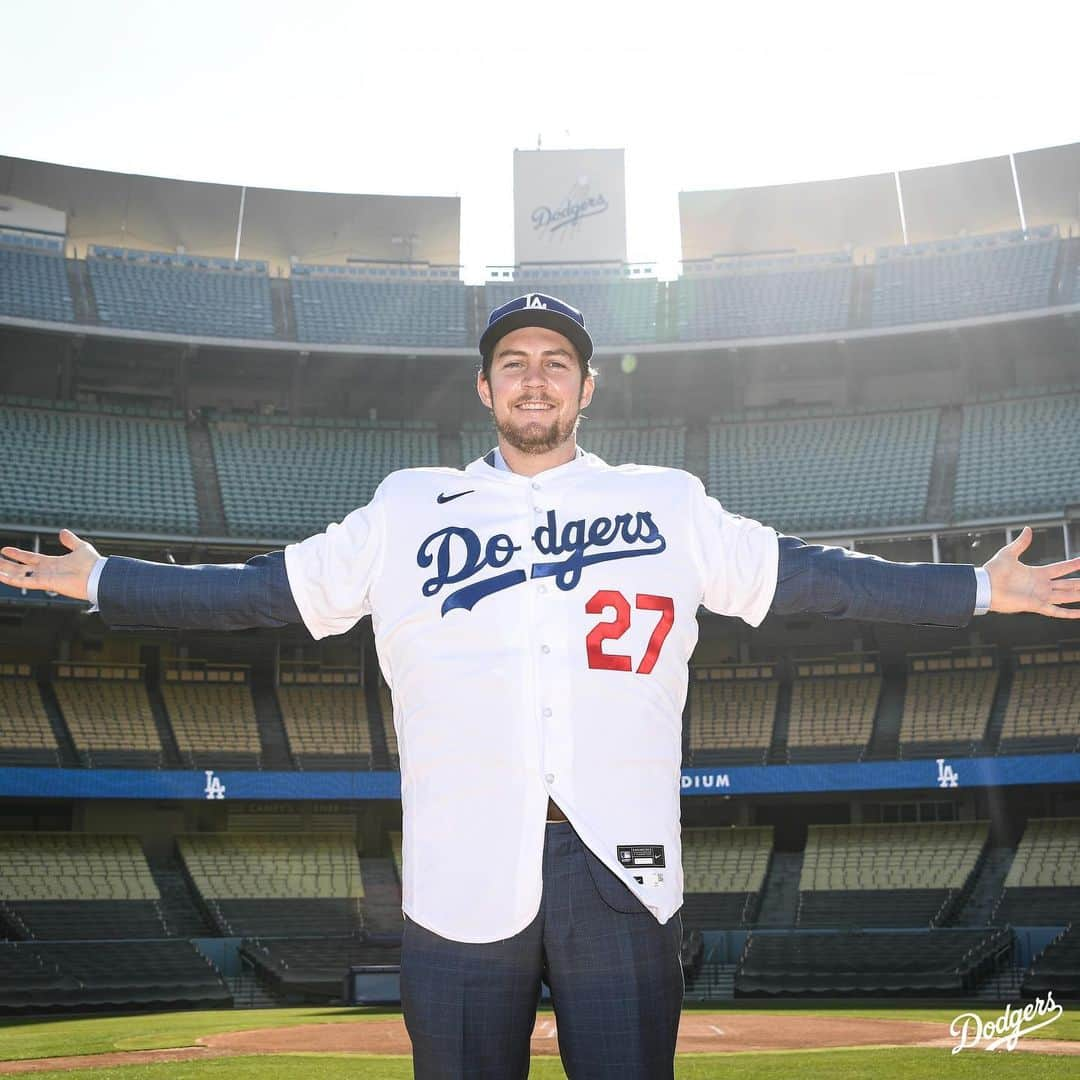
point(844, 1041)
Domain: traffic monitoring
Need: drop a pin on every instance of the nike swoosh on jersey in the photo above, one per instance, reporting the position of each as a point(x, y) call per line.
point(442, 497)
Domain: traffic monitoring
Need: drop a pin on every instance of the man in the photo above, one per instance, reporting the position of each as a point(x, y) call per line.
point(534, 614)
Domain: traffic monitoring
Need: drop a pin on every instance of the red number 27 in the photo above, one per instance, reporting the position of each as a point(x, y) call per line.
point(616, 627)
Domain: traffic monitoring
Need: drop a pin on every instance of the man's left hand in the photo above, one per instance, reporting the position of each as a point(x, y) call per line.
point(1041, 590)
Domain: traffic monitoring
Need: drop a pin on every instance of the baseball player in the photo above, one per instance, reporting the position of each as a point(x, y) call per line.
point(534, 614)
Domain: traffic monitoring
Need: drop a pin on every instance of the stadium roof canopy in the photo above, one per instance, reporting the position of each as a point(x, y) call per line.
point(861, 212)
point(157, 214)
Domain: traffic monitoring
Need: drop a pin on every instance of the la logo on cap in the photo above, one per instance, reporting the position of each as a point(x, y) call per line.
point(535, 301)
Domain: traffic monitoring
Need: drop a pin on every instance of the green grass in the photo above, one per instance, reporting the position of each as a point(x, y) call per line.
point(42, 1036)
point(22, 1038)
point(1066, 1027)
point(902, 1064)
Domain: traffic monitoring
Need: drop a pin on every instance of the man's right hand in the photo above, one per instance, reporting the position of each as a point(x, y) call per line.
point(63, 574)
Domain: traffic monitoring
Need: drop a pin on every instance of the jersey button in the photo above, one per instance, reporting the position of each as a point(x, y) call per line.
point(536, 487)
point(542, 589)
point(545, 649)
point(547, 712)
point(549, 778)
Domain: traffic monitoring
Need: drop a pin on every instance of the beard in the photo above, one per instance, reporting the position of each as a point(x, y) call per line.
point(537, 437)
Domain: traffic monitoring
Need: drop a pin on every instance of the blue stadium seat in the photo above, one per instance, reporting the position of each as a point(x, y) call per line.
point(959, 279)
point(181, 294)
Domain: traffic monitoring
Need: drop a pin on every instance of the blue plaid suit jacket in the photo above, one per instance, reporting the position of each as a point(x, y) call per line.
point(811, 579)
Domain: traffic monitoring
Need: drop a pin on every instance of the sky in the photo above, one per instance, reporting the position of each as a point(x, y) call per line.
point(426, 98)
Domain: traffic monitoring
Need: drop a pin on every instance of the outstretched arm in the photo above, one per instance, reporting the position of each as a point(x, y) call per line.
point(132, 592)
point(1041, 590)
point(841, 584)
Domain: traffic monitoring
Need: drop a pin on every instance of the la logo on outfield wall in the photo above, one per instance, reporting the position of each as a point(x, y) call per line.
point(1008, 1028)
point(947, 776)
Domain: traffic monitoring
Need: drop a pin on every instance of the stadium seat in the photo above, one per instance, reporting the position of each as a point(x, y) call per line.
point(180, 294)
point(843, 472)
point(958, 279)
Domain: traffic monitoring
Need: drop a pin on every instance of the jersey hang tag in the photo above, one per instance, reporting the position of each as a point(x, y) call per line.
point(634, 855)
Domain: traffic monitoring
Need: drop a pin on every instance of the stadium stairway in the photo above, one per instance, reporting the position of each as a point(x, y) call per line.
point(208, 502)
point(1002, 985)
point(992, 738)
point(380, 751)
point(450, 449)
point(69, 758)
point(885, 736)
point(82, 296)
point(862, 298)
point(281, 308)
point(780, 891)
point(382, 896)
point(179, 910)
point(697, 450)
point(943, 468)
point(713, 982)
point(170, 751)
point(275, 753)
point(987, 888)
point(250, 992)
point(777, 754)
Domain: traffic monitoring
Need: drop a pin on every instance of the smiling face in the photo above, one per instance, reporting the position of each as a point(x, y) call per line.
point(535, 390)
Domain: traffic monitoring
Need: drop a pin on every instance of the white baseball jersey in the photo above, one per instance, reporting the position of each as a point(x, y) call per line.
point(535, 633)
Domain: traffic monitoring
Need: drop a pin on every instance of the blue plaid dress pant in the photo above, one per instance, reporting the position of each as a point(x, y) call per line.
point(614, 972)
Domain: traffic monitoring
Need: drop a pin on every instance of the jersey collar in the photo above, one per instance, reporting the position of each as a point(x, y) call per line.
point(492, 466)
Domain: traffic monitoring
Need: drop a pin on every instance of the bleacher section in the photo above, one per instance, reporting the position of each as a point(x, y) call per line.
point(33, 278)
point(886, 875)
point(108, 713)
point(1043, 711)
point(26, 736)
point(312, 968)
point(868, 962)
point(70, 886)
point(1042, 887)
point(356, 305)
point(732, 710)
point(277, 885)
point(947, 704)
point(279, 479)
point(617, 310)
point(72, 976)
point(168, 293)
point(858, 471)
point(833, 703)
point(724, 872)
point(326, 717)
point(95, 470)
point(212, 716)
point(1058, 968)
point(959, 279)
point(1018, 456)
point(777, 297)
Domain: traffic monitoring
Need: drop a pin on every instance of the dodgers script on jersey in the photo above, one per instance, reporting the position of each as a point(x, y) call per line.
point(535, 632)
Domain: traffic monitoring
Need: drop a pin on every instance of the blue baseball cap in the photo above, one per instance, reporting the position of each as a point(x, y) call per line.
point(538, 309)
